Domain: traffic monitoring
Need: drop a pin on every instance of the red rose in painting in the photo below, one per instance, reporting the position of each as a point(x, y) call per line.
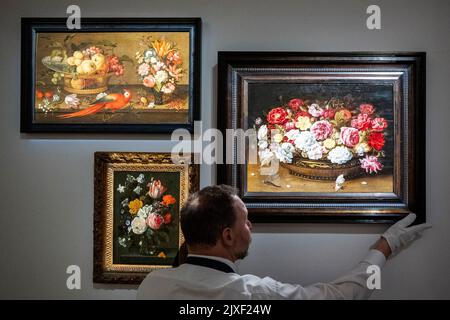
point(379, 124)
point(366, 108)
point(321, 130)
point(155, 221)
point(376, 140)
point(362, 122)
point(349, 136)
point(295, 104)
point(328, 113)
point(167, 218)
point(277, 116)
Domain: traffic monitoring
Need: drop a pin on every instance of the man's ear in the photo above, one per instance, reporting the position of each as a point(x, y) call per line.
point(227, 237)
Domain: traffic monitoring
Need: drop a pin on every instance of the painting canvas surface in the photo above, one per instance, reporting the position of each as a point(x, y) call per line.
point(319, 131)
point(146, 217)
point(112, 77)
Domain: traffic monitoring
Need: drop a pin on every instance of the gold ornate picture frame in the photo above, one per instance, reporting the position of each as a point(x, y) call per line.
point(138, 199)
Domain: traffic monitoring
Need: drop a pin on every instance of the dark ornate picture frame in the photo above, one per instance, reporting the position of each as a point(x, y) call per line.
point(145, 186)
point(151, 108)
point(261, 81)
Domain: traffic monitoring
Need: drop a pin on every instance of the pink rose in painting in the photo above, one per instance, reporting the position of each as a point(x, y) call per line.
point(315, 110)
point(379, 124)
point(155, 221)
point(168, 88)
point(149, 81)
point(362, 122)
point(321, 130)
point(349, 136)
point(371, 164)
point(366, 108)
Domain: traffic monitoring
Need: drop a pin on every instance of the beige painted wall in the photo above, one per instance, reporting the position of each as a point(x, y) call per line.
point(47, 179)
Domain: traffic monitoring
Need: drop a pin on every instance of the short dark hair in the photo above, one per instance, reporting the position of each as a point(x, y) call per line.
point(206, 213)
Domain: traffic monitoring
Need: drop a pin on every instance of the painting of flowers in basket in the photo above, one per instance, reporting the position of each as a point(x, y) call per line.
point(104, 78)
point(326, 138)
point(332, 136)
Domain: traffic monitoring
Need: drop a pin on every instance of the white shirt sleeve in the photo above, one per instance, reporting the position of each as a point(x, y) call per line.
point(352, 285)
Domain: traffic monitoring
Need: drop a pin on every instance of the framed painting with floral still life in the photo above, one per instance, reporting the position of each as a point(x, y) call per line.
point(112, 75)
point(138, 198)
point(338, 137)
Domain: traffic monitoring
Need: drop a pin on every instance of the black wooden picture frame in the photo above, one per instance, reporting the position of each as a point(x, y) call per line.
point(291, 75)
point(30, 123)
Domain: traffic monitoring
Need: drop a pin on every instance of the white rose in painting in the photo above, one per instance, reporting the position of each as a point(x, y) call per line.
point(305, 141)
point(265, 157)
point(262, 133)
point(340, 155)
point(161, 76)
point(144, 211)
point(316, 151)
point(292, 134)
point(284, 152)
point(263, 144)
point(138, 225)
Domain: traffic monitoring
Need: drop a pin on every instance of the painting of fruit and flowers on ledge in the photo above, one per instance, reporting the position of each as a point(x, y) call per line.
point(112, 78)
point(334, 138)
point(146, 217)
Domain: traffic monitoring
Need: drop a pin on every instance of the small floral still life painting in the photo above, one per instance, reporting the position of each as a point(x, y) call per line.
point(324, 142)
point(146, 217)
point(138, 197)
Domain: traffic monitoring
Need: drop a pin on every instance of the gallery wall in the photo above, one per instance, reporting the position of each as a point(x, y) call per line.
point(47, 179)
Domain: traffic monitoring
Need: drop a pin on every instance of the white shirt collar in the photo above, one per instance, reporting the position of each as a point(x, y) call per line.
point(226, 261)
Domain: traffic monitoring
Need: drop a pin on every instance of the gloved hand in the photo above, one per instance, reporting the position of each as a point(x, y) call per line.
point(399, 236)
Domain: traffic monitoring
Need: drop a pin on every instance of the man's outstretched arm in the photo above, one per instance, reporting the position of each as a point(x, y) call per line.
point(353, 285)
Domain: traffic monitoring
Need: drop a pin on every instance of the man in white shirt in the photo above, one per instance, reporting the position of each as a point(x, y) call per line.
point(217, 233)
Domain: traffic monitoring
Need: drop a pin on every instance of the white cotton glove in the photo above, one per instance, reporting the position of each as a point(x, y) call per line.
point(399, 236)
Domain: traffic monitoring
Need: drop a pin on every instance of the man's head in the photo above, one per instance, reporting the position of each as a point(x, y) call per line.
point(214, 219)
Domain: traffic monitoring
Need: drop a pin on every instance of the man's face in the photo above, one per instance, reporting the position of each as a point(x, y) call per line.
point(242, 228)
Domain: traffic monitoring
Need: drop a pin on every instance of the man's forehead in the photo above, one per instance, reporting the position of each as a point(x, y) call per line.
point(239, 203)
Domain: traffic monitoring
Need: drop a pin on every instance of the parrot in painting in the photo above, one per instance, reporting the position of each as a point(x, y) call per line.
point(112, 101)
